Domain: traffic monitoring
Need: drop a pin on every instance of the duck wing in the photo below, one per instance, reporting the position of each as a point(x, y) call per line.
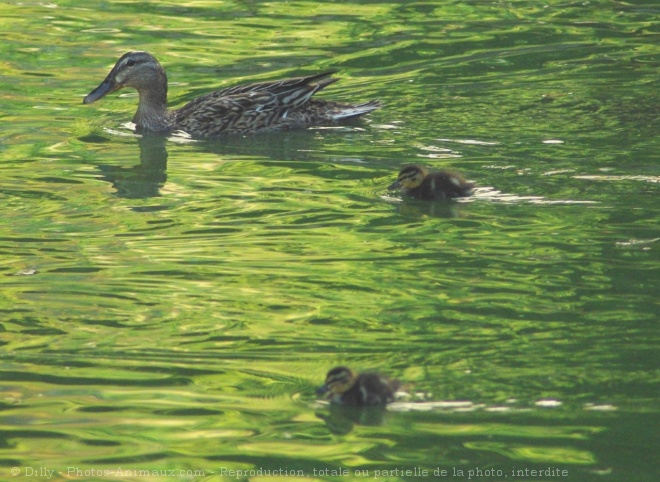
point(293, 91)
point(233, 114)
point(280, 105)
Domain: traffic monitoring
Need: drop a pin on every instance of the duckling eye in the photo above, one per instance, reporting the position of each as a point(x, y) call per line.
point(130, 63)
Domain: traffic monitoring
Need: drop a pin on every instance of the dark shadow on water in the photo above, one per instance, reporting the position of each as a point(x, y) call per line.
point(446, 208)
point(340, 420)
point(145, 179)
point(295, 145)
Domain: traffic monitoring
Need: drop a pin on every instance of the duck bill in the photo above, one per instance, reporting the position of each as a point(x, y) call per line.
point(394, 185)
point(108, 86)
point(322, 390)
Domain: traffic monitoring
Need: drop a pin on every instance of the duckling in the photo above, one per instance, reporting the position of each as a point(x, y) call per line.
point(368, 389)
point(279, 105)
point(418, 182)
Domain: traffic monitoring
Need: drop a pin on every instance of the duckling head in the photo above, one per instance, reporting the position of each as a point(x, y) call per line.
point(139, 70)
point(410, 177)
point(338, 380)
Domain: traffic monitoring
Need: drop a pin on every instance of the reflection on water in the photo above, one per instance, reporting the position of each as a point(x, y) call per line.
point(173, 304)
point(340, 420)
point(146, 179)
point(143, 180)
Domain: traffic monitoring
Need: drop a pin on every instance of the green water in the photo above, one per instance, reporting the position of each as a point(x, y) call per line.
point(168, 308)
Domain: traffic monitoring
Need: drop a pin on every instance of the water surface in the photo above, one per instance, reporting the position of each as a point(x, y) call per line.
point(170, 305)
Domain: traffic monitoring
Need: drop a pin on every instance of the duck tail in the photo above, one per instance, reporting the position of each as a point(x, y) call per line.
point(348, 111)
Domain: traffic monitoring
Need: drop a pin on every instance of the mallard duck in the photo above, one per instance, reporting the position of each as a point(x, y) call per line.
point(280, 105)
point(418, 182)
point(342, 386)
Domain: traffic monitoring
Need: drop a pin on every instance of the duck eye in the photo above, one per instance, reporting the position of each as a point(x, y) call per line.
point(130, 63)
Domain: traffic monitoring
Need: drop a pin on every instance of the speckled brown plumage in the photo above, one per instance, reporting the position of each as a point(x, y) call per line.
point(418, 182)
point(244, 109)
point(368, 389)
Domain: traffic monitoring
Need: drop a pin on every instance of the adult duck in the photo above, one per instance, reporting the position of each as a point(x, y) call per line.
point(244, 109)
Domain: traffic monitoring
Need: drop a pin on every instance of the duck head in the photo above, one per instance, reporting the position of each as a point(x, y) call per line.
point(337, 381)
point(139, 70)
point(409, 177)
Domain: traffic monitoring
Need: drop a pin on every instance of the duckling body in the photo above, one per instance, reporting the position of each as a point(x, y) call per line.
point(418, 182)
point(367, 389)
point(243, 109)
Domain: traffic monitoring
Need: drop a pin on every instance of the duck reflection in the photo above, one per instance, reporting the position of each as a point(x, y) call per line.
point(420, 209)
point(145, 179)
point(341, 419)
